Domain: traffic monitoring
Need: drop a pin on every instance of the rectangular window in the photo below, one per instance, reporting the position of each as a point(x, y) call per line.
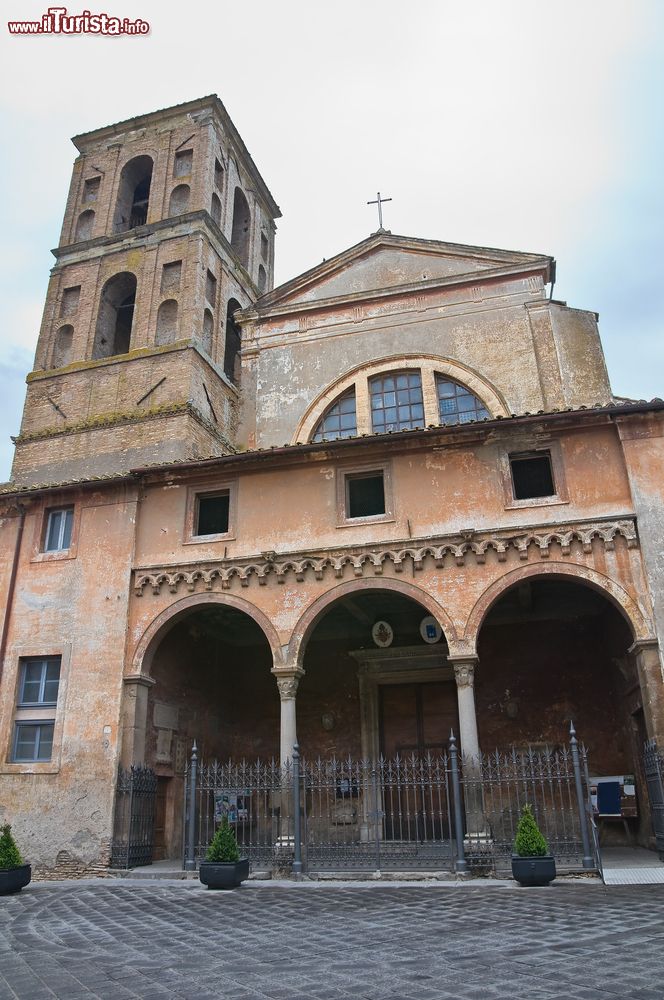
point(69, 301)
point(211, 288)
point(170, 276)
point(212, 512)
point(365, 494)
point(183, 163)
point(264, 247)
point(34, 723)
point(33, 741)
point(91, 189)
point(39, 682)
point(532, 475)
point(57, 537)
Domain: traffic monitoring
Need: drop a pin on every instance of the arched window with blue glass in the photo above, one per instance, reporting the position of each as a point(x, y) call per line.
point(339, 420)
point(458, 405)
point(396, 401)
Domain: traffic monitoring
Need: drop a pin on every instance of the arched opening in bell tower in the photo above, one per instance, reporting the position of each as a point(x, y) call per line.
point(116, 316)
point(241, 227)
point(131, 208)
point(233, 342)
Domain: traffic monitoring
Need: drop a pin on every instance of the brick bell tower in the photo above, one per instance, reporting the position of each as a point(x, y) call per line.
point(168, 231)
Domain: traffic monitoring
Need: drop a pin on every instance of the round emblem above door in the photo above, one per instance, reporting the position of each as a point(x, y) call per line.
point(382, 634)
point(430, 630)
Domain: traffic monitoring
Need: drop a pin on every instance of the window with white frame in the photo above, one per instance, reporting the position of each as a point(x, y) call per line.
point(34, 724)
point(59, 522)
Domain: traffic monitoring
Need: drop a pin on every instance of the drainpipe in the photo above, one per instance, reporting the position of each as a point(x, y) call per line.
point(11, 588)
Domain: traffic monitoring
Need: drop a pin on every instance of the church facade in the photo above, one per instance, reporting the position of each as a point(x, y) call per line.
point(392, 497)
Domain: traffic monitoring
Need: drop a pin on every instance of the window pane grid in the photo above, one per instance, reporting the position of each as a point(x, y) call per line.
point(396, 402)
point(457, 405)
point(39, 682)
point(58, 529)
point(340, 421)
point(33, 741)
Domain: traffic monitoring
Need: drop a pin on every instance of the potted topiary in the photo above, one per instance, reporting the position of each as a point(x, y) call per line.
point(14, 872)
point(223, 867)
point(531, 862)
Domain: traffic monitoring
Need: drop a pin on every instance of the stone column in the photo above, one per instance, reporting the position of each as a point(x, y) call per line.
point(287, 682)
point(134, 718)
point(649, 666)
point(464, 674)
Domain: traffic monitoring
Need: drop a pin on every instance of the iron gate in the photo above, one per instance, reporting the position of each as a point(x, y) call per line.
point(133, 824)
point(429, 812)
point(654, 768)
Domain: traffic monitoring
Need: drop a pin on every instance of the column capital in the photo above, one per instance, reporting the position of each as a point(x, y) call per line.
point(464, 670)
point(642, 645)
point(141, 679)
point(287, 681)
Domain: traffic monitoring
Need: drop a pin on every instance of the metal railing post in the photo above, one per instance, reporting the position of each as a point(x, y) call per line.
point(588, 860)
point(460, 865)
point(190, 863)
point(376, 817)
point(297, 827)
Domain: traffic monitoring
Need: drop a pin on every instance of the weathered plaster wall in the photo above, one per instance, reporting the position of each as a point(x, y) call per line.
point(75, 606)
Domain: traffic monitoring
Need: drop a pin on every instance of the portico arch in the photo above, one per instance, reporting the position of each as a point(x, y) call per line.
point(315, 611)
point(201, 671)
point(638, 622)
point(141, 660)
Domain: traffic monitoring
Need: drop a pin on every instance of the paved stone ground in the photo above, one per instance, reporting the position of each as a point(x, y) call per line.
point(127, 939)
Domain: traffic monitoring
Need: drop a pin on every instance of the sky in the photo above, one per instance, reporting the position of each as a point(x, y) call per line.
point(501, 123)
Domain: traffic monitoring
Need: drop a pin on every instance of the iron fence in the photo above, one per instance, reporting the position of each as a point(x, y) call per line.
point(654, 770)
point(133, 823)
point(554, 783)
point(432, 812)
point(254, 797)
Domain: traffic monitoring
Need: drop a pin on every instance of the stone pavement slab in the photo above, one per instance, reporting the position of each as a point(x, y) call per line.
point(147, 940)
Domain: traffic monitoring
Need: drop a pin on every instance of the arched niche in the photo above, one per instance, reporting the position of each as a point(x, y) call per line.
point(215, 209)
point(85, 225)
point(208, 329)
point(131, 207)
point(62, 346)
point(167, 323)
point(262, 278)
point(115, 316)
point(179, 203)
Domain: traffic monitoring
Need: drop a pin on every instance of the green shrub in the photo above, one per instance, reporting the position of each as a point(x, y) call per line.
point(529, 842)
point(10, 856)
point(224, 844)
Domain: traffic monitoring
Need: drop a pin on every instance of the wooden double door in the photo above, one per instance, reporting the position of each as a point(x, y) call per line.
point(415, 721)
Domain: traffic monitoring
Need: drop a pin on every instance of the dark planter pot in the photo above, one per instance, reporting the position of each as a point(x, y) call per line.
point(533, 871)
point(14, 879)
point(223, 874)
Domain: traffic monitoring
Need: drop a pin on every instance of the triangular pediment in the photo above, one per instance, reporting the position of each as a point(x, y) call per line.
point(384, 262)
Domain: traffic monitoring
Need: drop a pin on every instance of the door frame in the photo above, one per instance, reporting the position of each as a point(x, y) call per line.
point(398, 665)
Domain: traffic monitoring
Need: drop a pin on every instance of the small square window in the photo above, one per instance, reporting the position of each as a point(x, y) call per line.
point(212, 514)
point(365, 494)
point(57, 537)
point(532, 475)
point(91, 189)
point(183, 163)
point(33, 741)
point(69, 301)
point(39, 682)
